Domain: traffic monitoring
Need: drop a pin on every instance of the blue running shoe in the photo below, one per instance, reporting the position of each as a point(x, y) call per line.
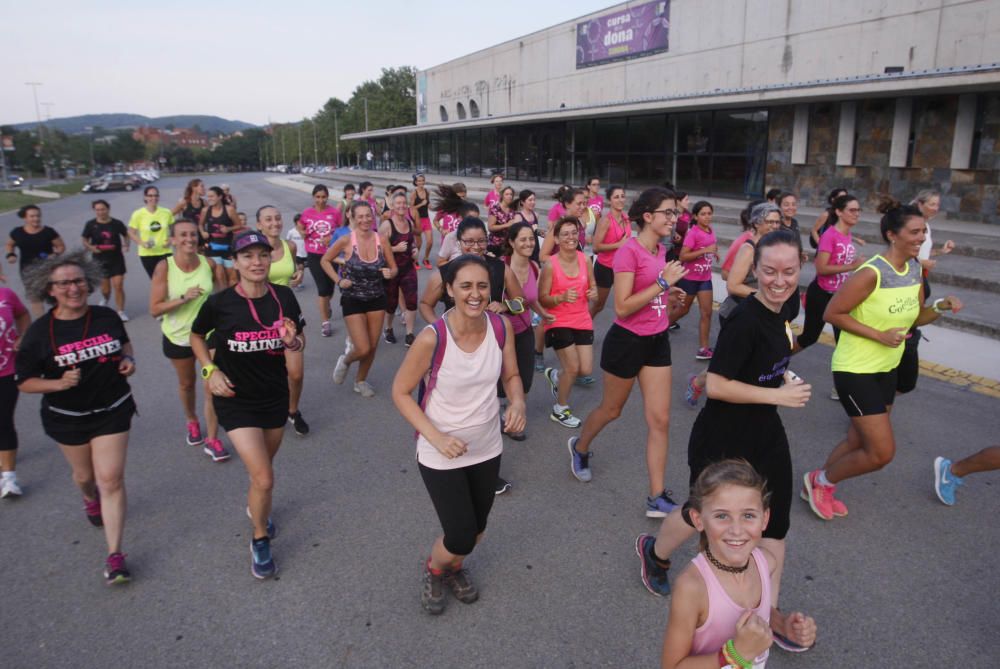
point(539, 362)
point(272, 530)
point(693, 391)
point(584, 381)
point(552, 376)
point(945, 483)
point(579, 463)
point(261, 563)
point(654, 576)
point(661, 505)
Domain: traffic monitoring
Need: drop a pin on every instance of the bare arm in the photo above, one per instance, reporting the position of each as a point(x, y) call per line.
point(793, 394)
point(432, 295)
point(58, 246)
point(326, 262)
point(739, 271)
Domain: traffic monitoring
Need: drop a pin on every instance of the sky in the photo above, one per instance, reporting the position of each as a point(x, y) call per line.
point(250, 61)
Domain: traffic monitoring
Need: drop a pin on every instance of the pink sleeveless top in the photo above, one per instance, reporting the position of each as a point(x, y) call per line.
point(616, 231)
point(575, 315)
point(723, 612)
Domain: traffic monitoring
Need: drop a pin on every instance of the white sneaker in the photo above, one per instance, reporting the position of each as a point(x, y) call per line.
point(340, 371)
point(122, 315)
point(10, 488)
point(364, 389)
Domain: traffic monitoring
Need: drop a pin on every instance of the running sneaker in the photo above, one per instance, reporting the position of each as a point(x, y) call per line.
point(122, 315)
point(565, 418)
point(661, 505)
point(364, 389)
point(703, 354)
point(654, 575)
point(427, 265)
point(839, 508)
point(945, 482)
point(389, 335)
point(579, 463)
point(432, 591)
point(326, 329)
point(9, 487)
point(539, 362)
point(215, 450)
point(194, 437)
point(115, 571)
point(502, 486)
point(674, 326)
point(693, 391)
point(299, 423)
point(819, 496)
point(272, 529)
point(408, 341)
point(261, 563)
point(92, 507)
point(340, 371)
point(552, 376)
point(584, 381)
point(461, 585)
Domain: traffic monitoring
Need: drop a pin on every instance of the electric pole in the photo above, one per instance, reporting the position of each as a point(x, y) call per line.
point(336, 137)
point(298, 126)
point(38, 115)
point(315, 144)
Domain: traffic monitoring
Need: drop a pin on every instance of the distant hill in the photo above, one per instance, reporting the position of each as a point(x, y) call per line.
point(75, 125)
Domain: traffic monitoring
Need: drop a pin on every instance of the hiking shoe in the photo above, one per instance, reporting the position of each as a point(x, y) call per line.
point(819, 496)
point(92, 507)
point(579, 463)
point(389, 335)
point(215, 450)
point(261, 563)
point(539, 362)
point(9, 487)
point(364, 389)
point(299, 423)
point(945, 483)
point(584, 381)
point(340, 370)
point(565, 418)
point(194, 437)
point(502, 486)
point(272, 530)
point(408, 341)
point(552, 376)
point(115, 571)
point(661, 505)
point(432, 592)
point(654, 576)
point(693, 391)
point(703, 354)
point(461, 585)
point(326, 329)
point(123, 316)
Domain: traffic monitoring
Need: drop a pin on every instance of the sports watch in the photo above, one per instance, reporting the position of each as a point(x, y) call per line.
point(207, 371)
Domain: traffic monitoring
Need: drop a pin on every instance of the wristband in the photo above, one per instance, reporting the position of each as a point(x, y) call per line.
point(662, 283)
point(129, 358)
point(734, 656)
point(937, 305)
point(297, 341)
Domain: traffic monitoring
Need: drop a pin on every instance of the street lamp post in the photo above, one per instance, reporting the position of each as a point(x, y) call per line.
point(38, 115)
point(315, 144)
point(336, 137)
point(298, 126)
point(366, 114)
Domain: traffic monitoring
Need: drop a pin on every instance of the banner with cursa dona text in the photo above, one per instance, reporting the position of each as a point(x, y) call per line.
point(633, 32)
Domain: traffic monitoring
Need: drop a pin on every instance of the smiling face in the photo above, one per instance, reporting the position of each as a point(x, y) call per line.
point(733, 519)
point(363, 218)
point(529, 204)
point(770, 223)
point(568, 236)
point(185, 237)
point(704, 217)
point(253, 263)
point(618, 199)
point(661, 220)
point(930, 207)
point(213, 198)
point(420, 181)
point(470, 290)
point(399, 205)
point(68, 287)
point(578, 206)
point(850, 213)
point(789, 206)
point(910, 237)
point(270, 222)
point(524, 243)
point(473, 240)
point(320, 199)
point(777, 272)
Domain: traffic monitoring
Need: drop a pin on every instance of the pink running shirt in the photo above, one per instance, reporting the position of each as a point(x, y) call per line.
point(11, 308)
point(653, 317)
point(319, 224)
point(700, 269)
point(842, 252)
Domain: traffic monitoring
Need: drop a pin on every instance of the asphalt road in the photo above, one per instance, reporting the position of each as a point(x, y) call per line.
point(902, 582)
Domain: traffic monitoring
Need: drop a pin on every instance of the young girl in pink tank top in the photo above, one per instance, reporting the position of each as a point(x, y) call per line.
point(722, 603)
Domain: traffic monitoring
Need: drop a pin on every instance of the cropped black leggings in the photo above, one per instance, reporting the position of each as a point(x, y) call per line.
point(8, 402)
point(816, 301)
point(463, 499)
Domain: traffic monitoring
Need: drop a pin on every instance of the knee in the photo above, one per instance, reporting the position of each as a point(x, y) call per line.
point(881, 457)
point(186, 385)
point(110, 485)
point(658, 421)
point(612, 412)
point(263, 480)
point(572, 367)
point(362, 350)
point(461, 543)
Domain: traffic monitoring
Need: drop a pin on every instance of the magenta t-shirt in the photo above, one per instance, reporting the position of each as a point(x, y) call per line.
point(491, 198)
point(596, 205)
point(11, 308)
point(842, 252)
point(556, 212)
point(319, 224)
point(700, 269)
point(633, 257)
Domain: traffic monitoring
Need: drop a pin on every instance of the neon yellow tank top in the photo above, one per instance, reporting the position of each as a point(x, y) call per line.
point(176, 324)
point(895, 303)
point(281, 271)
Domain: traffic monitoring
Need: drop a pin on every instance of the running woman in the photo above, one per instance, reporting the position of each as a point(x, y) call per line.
point(34, 242)
point(294, 237)
point(874, 309)
point(682, 227)
point(789, 205)
point(698, 255)
point(285, 271)
point(501, 217)
point(362, 293)
point(450, 246)
point(565, 286)
point(345, 203)
point(637, 345)
point(746, 233)
point(611, 234)
point(147, 227)
point(218, 223)
point(14, 322)
point(558, 210)
point(317, 224)
point(78, 357)
point(254, 322)
point(826, 219)
point(450, 206)
point(366, 193)
point(181, 284)
point(494, 195)
point(721, 608)
point(192, 202)
point(103, 236)
point(595, 201)
point(748, 379)
point(526, 201)
point(420, 205)
point(574, 203)
point(458, 421)
point(398, 234)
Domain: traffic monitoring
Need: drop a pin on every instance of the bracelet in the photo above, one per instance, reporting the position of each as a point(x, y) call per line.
point(298, 344)
point(129, 358)
point(734, 657)
point(937, 305)
point(662, 283)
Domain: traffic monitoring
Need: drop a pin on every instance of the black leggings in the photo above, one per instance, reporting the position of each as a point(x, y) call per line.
point(8, 401)
point(462, 498)
point(816, 301)
point(524, 347)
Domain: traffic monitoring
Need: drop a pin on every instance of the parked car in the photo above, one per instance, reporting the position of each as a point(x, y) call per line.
point(114, 181)
point(14, 181)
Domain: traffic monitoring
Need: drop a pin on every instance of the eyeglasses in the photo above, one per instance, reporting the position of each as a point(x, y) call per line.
point(773, 221)
point(66, 283)
point(473, 242)
point(669, 213)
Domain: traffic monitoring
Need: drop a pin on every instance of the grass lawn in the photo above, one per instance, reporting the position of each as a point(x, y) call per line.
point(14, 199)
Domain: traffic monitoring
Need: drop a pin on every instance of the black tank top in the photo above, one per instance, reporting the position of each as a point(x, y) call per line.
point(215, 234)
point(192, 213)
point(405, 258)
point(422, 208)
point(497, 269)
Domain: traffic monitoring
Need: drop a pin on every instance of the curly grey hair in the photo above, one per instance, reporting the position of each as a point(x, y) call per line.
point(760, 212)
point(37, 277)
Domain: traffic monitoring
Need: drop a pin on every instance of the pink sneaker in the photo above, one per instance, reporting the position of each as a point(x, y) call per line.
point(215, 450)
point(703, 354)
point(819, 496)
point(839, 508)
point(194, 437)
point(92, 507)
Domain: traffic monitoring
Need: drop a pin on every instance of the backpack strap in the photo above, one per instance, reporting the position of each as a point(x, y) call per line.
point(499, 328)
